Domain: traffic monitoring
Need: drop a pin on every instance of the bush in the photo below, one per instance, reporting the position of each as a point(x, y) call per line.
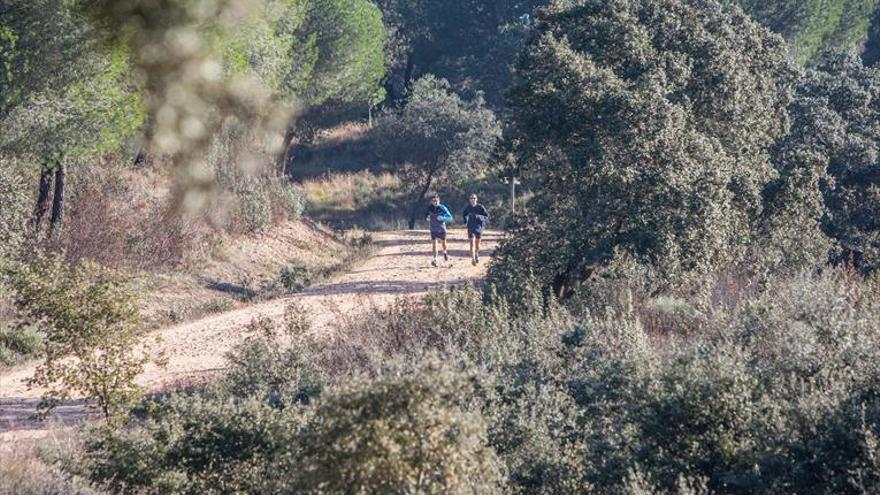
point(19, 343)
point(24, 472)
point(779, 397)
point(295, 278)
point(14, 209)
point(192, 445)
point(406, 433)
point(288, 199)
point(90, 320)
point(254, 207)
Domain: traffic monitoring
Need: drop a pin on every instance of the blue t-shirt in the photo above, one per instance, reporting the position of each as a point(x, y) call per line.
point(444, 214)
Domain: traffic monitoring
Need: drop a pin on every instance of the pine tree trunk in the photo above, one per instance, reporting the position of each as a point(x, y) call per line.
point(57, 200)
point(42, 205)
point(281, 162)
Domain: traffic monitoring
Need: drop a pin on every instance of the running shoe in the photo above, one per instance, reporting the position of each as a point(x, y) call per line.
point(434, 262)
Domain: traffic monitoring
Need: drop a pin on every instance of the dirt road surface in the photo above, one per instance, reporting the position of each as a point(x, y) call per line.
point(401, 266)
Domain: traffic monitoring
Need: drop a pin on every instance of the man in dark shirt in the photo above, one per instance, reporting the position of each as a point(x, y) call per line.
point(476, 216)
point(438, 216)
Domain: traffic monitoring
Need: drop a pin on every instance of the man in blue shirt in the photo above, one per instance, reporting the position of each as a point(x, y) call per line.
point(438, 216)
point(475, 216)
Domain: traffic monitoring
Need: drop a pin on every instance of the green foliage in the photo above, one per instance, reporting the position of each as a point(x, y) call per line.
point(90, 321)
point(361, 435)
point(438, 137)
point(780, 397)
point(399, 434)
point(646, 127)
point(19, 343)
point(38, 40)
point(295, 278)
point(13, 209)
point(349, 38)
point(832, 149)
point(814, 26)
point(193, 445)
point(88, 109)
point(254, 207)
point(472, 43)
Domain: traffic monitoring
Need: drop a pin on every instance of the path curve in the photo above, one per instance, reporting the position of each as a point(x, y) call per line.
point(400, 267)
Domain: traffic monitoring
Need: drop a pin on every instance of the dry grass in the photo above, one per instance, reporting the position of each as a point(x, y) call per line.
point(24, 469)
point(342, 191)
point(361, 199)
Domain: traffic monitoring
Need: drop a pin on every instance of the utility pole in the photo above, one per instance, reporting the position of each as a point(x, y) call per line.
point(512, 181)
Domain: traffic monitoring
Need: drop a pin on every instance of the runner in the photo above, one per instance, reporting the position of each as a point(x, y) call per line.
point(438, 216)
point(475, 215)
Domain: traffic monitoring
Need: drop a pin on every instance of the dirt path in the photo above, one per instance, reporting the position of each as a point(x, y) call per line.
point(400, 266)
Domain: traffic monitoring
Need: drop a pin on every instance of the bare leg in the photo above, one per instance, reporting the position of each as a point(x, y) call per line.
point(434, 247)
point(477, 247)
point(444, 245)
point(474, 242)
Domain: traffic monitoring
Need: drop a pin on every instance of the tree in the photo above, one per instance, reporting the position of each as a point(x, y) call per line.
point(438, 138)
point(835, 140)
point(92, 326)
point(814, 26)
point(646, 126)
point(336, 58)
point(471, 43)
point(86, 108)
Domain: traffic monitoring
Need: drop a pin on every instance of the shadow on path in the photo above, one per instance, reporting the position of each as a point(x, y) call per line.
point(18, 414)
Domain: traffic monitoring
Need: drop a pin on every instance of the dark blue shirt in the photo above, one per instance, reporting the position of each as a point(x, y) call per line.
point(476, 218)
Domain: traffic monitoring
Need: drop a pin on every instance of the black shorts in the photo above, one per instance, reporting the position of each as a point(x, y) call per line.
point(475, 234)
point(438, 235)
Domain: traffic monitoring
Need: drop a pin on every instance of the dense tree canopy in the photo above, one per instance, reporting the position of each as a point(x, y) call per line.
point(812, 26)
point(62, 93)
point(646, 125)
point(835, 142)
point(472, 43)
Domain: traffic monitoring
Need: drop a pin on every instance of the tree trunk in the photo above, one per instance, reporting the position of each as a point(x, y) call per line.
point(408, 75)
point(284, 157)
point(57, 199)
point(417, 202)
point(141, 158)
point(42, 205)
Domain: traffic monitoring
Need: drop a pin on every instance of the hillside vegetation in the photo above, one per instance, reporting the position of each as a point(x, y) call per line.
point(687, 299)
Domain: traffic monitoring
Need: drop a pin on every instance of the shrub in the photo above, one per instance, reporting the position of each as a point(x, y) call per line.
point(254, 207)
point(90, 320)
point(13, 209)
point(262, 368)
point(217, 305)
point(406, 433)
point(779, 397)
point(295, 278)
point(288, 199)
point(18, 343)
point(23, 472)
point(192, 445)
